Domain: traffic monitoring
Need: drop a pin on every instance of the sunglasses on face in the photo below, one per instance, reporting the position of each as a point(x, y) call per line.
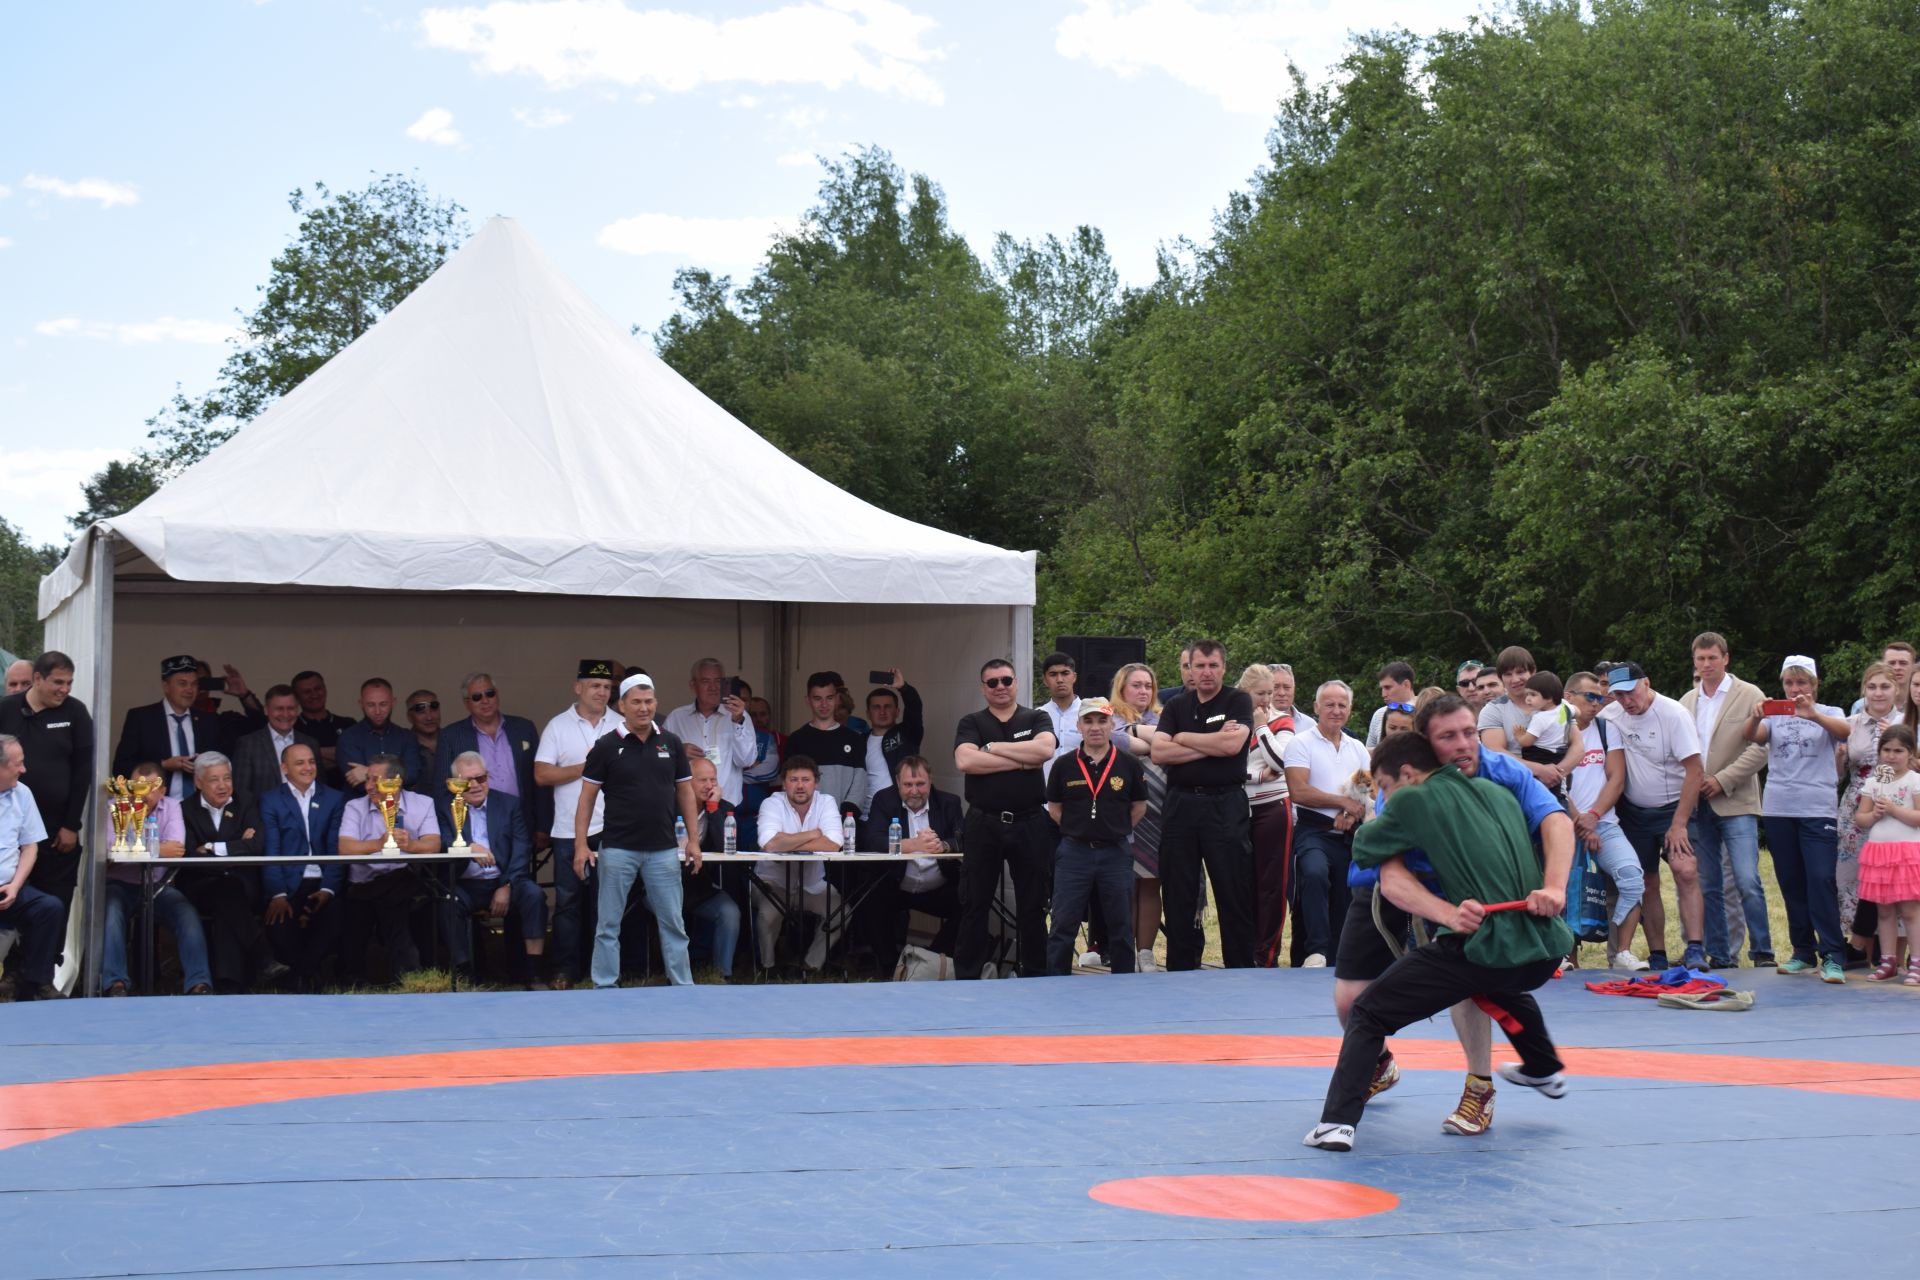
point(1592, 697)
point(484, 694)
point(1465, 684)
point(998, 682)
point(1401, 706)
point(417, 707)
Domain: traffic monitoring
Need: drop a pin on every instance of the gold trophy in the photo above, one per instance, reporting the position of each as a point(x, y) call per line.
point(141, 788)
point(389, 789)
point(118, 806)
point(458, 786)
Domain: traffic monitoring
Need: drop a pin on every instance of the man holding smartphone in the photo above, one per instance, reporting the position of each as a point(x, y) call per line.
point(715, 726)
point(1662, 746)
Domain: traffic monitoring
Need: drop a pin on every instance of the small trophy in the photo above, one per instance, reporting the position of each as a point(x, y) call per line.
point(141, 788)
point(389, 789)
point(458, 786)
point(118, 808)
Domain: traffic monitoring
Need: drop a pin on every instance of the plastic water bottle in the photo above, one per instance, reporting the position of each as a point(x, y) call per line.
point(893, 836)
point(680, 837)
point(730, 836)
point(846, 834)
point(152, 833)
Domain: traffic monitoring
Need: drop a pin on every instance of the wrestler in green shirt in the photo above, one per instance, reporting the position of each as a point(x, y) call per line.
point(1475, 836)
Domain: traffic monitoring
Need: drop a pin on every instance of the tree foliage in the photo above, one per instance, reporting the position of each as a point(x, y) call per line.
point(22, 565)
point(353, 257)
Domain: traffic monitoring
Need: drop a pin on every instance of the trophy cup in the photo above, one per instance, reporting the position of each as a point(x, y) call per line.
point(389, 789)
point(118, 806)
point(141, 788)
point(458, 786)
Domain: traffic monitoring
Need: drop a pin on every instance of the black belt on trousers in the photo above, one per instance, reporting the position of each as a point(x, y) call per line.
point(1228, 789)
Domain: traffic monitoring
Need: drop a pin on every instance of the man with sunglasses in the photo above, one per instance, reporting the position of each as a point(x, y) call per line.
point(1396, 693)
point(499, 878)
point(1466, 682)
point(1002, 749)
point(507, 744)
point(423, 716)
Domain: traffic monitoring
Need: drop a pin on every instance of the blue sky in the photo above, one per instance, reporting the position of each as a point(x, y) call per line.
point(149, 147)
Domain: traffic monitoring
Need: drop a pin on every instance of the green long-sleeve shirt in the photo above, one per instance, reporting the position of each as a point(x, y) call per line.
point(1475, 836)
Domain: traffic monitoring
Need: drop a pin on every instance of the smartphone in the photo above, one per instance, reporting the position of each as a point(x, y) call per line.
point(880, 677)
point(736, 686)
point(213, 684)
point(1778, 707)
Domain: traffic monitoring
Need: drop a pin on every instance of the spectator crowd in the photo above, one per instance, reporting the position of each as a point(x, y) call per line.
point(1123, 811)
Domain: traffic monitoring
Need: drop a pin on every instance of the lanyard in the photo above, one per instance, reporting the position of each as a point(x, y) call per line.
point(1093, 788)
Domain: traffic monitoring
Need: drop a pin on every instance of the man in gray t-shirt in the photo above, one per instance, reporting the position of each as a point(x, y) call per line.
point(1502, 718)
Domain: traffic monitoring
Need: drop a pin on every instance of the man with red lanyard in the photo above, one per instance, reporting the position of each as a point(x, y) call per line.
point(1095, 796)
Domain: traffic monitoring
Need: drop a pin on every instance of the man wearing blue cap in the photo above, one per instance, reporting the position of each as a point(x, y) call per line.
point(1662, 747)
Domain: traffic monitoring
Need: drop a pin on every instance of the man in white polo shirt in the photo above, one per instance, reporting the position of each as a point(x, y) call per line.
point(1662, 747)
point(795, 819)
point(1321, 761)
point(558, 763)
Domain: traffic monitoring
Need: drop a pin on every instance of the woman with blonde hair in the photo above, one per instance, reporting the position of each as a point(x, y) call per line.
point(1136, 716)
point(1270, 824)
point(1883, 706)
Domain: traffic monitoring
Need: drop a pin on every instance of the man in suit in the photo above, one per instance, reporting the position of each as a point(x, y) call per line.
point(301, 818)
point(171, 730)
point(499, 878)
point(1724, 828)
point(506, 743)
point(930, 822)
point(258, 757)
point(220, 823)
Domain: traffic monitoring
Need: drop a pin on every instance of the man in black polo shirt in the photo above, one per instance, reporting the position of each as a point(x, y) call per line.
point(1202, 744)
point(1001, 750)
point(56, 733)
point(644, 773)
point(1095, 796)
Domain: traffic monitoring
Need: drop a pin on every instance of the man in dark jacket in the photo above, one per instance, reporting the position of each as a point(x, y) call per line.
point(929, 823)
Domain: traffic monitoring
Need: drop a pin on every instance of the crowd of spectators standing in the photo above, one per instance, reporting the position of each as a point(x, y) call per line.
point(1125, 810)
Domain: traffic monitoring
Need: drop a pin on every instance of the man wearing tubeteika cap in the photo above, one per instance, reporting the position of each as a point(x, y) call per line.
point(558, 763)
point(1662, 747)
point(171, 730)
point(1095, 795)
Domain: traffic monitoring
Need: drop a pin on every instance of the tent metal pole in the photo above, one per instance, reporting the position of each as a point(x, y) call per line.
point(100, 583)
point(781, 651)
point(1021, 644)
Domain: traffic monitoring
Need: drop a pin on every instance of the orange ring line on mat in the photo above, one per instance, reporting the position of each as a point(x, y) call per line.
point(32, 1112)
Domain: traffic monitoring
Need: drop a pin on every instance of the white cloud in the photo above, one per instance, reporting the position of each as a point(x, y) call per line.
point(541, 117)
point(796, 159)
point(435, 126)
point(6, 242)
point(802, 118)
point(163, 329)
point(875, 44)
point(5, 191)
point(41, 488)
point(740, 101)
point(1237, 53)
point(107, 193)
point(721, 240)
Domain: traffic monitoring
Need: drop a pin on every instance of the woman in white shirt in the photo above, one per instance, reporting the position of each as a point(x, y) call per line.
point(1271, 824)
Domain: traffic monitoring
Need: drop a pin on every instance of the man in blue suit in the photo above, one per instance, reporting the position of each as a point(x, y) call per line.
point(301, 818)
point(499, 878)
point(507, 744)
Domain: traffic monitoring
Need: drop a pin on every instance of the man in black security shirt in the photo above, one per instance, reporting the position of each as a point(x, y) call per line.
point(1202, 744)
point(1001, 750)
point(1095, 795)
point(56, 733)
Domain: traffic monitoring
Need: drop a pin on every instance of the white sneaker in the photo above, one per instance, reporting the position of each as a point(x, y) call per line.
point(1316, 961)
point(1329, 1137)
point(1145, 963)
point(1092, 960)
point(1554, 1086)
point(1629, 961)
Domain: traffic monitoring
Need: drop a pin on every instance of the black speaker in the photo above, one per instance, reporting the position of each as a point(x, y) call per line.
point(1098, 658)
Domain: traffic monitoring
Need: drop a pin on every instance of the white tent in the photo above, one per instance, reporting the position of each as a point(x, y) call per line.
point(499, 476)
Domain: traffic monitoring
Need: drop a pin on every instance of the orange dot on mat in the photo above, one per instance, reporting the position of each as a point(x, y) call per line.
point(1247, 1197)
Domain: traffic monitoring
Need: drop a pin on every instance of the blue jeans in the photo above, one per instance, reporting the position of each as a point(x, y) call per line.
point(1321, 857)
point(1079, 872)
point(171, 908)
point(1739, 838)
point(1621, 865)
point(1805, 853)
point(573, 903)
point(659, 871)
point(722, 915)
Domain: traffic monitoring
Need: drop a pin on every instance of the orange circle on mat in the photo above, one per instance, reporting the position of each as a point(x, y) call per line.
point(1247, 1197)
